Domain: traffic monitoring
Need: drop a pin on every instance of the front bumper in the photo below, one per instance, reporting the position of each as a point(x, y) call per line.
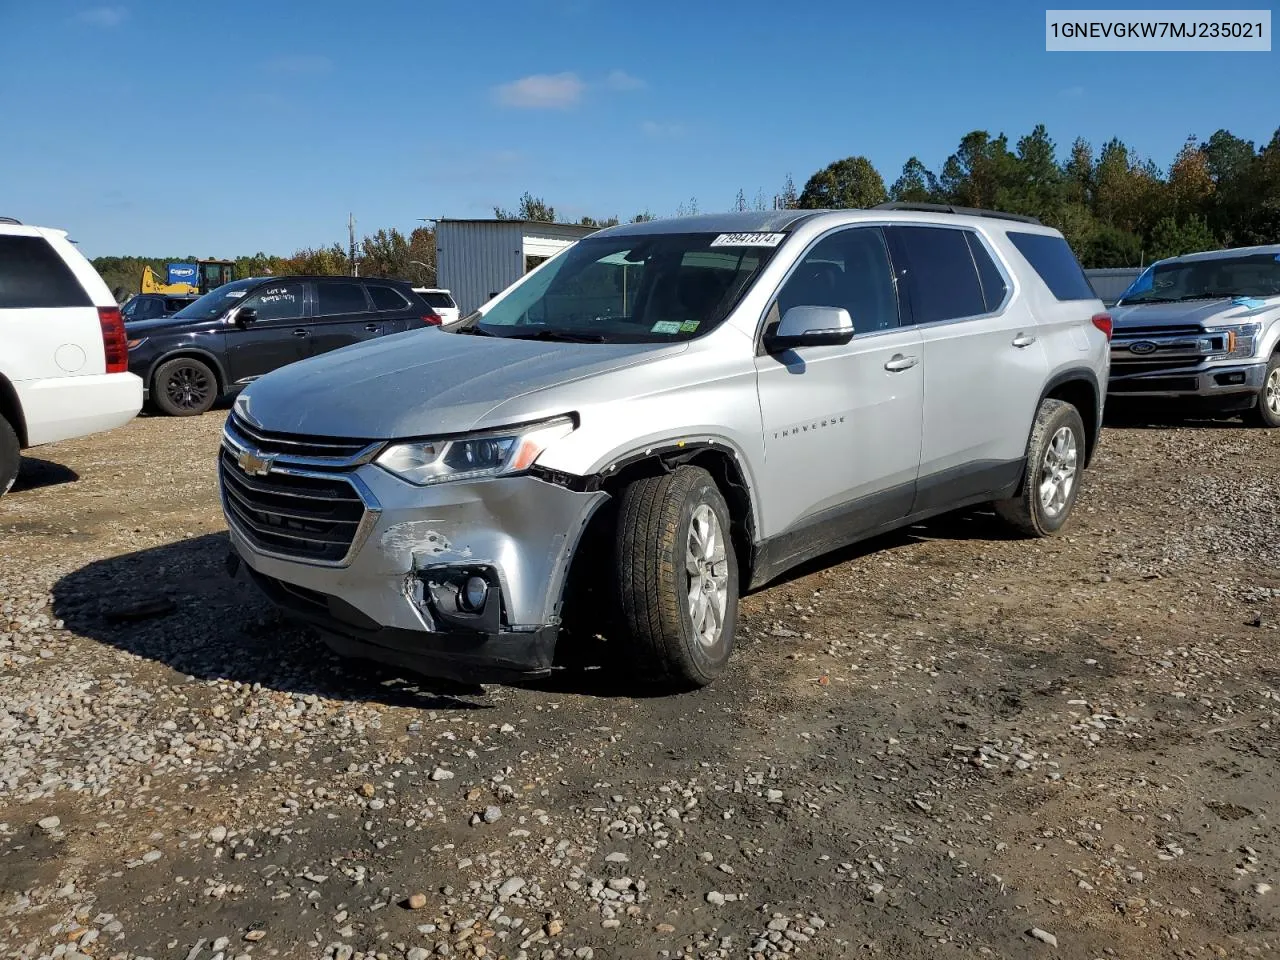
point(1207, 381)
point(389, 599)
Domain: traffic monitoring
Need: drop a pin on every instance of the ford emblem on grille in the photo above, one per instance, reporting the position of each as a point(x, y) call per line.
point(1143, 347)
point(254, 465)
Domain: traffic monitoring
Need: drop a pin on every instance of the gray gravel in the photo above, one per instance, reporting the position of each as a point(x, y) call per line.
point(946, 740)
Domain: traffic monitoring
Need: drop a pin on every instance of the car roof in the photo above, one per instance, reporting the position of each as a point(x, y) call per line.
point(778, 221)
point(1273, 248)
point(320, 276)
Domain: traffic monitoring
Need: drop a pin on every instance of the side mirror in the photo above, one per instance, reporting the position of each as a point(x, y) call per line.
point(246, 316)
point(810, 327)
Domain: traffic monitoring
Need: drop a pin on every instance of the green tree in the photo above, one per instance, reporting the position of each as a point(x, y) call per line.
point(530, 208)
point(1171, 238)
point(1190, 183)
point(849, 183)
point(916, 184)
point(788, 199)
point(979, 171)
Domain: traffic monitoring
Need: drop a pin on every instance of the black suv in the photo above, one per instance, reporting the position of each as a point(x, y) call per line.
point(247, 328)
point(152, 306)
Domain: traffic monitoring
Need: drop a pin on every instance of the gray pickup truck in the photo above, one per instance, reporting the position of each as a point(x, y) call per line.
point(1204, 328)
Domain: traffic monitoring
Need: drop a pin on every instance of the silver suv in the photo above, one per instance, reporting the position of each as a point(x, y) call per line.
point(719, 398)
point(1204, 328)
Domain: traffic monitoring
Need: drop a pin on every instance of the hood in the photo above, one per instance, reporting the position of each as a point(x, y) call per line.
point(1210, 312)
point(146, 328)
point(423, 383)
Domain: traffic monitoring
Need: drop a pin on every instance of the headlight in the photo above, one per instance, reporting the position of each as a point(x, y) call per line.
point(1240, 340)
point(133, 344)
point(496, 453)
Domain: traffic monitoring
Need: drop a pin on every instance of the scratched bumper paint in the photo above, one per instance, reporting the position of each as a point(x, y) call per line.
point(525, 528)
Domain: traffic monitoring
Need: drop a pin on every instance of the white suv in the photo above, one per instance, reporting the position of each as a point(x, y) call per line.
point(64, 359)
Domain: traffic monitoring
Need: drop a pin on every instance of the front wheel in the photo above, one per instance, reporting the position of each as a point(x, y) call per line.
point(1055, 462)
point(184, 387)
point(1267, 412)
point(677, 577)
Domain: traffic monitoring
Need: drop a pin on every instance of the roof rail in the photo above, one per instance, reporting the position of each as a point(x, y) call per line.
point(949, 208)
point(10, 220)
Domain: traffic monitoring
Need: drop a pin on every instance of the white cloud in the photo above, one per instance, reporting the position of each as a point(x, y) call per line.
point(1072, 93)
point(621, 80)
point(300, 63)
point(102, 16)
point(661, 131)
point(542, 91)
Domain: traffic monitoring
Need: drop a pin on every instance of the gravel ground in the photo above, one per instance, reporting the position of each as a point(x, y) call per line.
point(944, 742)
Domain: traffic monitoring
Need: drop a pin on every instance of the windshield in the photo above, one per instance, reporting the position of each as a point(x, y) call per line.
point(1249, 275)
point(217, 302)
point(634, 289)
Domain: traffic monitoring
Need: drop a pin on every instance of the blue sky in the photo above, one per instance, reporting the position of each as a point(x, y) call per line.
point(226, 128)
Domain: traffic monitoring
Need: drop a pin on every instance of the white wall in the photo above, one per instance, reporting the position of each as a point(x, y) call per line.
point(475, 259)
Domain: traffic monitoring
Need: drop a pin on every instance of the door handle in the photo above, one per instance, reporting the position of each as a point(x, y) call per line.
point(301, 332)
point(897, 363)
point(371, 327)
point(1023, 340)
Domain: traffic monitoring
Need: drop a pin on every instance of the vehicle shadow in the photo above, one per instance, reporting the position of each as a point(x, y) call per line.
point(176, 604)
point(34, 473)
point(1135, 416)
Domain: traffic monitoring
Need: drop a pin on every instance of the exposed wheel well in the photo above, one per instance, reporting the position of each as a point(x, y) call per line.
point(1082, 395)
point(11, 410)
point(218, 376)
point(727, 473)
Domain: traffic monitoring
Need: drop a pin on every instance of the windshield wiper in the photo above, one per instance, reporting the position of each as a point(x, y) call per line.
point(563, 336)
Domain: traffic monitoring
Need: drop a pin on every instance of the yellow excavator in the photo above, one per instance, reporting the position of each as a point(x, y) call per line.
point(189, 279)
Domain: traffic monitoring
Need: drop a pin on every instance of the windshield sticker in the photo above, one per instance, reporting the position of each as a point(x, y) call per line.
point(748, 239)
point(235, 293)
point(689, 326)
point(666, 326)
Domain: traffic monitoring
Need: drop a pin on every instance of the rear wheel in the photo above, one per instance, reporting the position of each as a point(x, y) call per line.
point(184, 387)
point(1055, 462)
point(1267, 411)
point(677, 577)
point(10, 456)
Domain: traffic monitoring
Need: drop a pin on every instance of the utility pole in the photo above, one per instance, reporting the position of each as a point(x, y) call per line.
point(351, 237)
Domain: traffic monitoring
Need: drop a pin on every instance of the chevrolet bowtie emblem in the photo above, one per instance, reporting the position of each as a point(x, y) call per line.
point(254, 465)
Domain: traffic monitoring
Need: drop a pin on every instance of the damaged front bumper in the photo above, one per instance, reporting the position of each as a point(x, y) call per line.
point(398, 595)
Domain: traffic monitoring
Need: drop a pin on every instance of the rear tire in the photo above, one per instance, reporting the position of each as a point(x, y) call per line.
point(1054, 468)
point(10, 456)
point(677, 578)
point(184, 387)
point(1266, 412)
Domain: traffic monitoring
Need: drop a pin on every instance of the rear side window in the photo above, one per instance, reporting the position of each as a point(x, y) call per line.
point(1057, 266)
point(941, 274)
point(333, 298)
point(441, 301)
point(32, 274)
point(994, 288)
point(387, 298)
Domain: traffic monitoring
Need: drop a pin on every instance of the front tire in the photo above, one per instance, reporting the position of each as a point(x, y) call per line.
point(1267, 411)
point(184, 387)
point(677, 577)
point(10, 456)
point(1055, 463)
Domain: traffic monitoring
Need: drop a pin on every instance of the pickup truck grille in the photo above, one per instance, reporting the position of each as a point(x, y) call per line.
point(316, 519)
point(339, 450)
point(1139, 333)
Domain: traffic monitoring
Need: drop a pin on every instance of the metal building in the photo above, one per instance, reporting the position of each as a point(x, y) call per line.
point(476, 259)
point(1109, 282)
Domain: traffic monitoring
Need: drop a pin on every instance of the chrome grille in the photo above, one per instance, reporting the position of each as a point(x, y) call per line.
point(326, 451)
point(1140, 333)
point(315, 518)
